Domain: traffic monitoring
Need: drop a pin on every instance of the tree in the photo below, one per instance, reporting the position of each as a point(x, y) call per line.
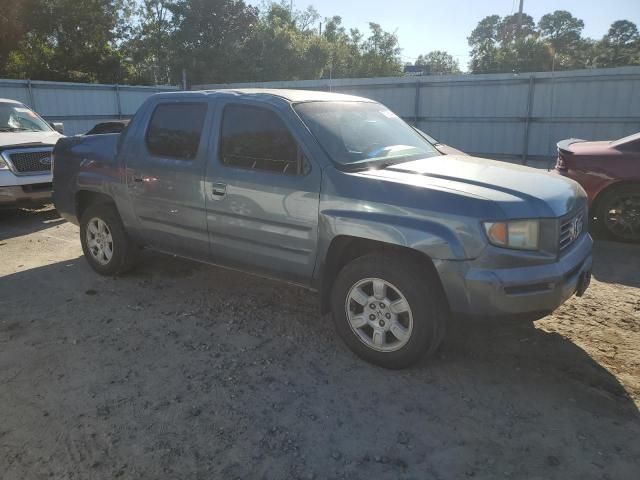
point(279, 50)
point(13, 27)
point(150, 47)
point(485, 32)
point(484, 42)
point(525, 55)
point(620, 46)
point(439, 62)
point(562, 32)
point(69, 40)
point(380, 54)
point(511, 28)
point(208, 38)
point(560, 29)
point(511, 44)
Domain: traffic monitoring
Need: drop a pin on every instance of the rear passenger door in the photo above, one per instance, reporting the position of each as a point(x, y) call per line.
point(262, 194)
point(165, 178)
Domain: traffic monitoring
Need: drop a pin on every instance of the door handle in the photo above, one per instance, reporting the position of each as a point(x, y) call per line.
point(218, 190)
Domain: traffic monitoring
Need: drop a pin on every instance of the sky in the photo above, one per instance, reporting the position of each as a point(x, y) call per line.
point(426, 25)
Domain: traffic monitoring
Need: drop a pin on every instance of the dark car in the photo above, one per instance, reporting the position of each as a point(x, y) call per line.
point(609, 171)
point(113, 126)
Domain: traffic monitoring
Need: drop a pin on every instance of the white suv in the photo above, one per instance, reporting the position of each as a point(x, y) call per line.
point(26, 143)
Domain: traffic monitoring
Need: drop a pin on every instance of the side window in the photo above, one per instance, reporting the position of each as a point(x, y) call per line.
point(175, 130)
point(256, 138)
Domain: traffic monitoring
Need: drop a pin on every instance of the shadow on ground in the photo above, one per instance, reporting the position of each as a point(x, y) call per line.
point(615, 262)
point(180, 370)
point(18, 222)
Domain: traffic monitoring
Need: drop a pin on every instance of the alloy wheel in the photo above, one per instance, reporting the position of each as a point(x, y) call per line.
point(623, 217)
point(99, 241)
point(379, 314)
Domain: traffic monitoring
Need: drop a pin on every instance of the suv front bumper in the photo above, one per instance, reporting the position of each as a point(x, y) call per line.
point(474, 290)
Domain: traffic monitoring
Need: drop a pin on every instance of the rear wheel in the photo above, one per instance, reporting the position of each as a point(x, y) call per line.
point(104, 240)
point(619, 213)
point(388, 311)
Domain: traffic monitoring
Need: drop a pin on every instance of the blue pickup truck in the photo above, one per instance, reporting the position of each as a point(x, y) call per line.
point(334, 193)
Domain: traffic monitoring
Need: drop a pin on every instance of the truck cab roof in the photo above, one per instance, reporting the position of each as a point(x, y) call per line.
point(290, 95)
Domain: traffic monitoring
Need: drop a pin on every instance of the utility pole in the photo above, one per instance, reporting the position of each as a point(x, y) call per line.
point(520, 16)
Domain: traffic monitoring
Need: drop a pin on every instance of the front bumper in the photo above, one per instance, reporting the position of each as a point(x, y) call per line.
point(25, 195)
point(23, 190)
point(473, 290)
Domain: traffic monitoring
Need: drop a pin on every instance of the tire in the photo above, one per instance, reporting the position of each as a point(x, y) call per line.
point(624, 225)
point(123, 250)
point(372, 333)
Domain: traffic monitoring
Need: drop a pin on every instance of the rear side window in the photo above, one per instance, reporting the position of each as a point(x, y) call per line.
point(175, 130)
point(256, 138)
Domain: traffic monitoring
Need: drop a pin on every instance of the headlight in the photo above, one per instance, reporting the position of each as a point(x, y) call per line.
point(519, 234)
point(3, 164)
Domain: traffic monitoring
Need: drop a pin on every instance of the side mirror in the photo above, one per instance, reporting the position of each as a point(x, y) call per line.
point(58, 127)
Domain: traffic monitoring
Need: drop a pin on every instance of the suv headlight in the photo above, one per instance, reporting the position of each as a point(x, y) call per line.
point(3, 164)
point(518, 234)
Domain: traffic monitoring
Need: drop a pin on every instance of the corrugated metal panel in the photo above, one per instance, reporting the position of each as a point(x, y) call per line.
point(502, 115)
point(80, 106)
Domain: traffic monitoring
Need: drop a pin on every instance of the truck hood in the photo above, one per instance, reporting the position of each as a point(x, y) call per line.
point(11, 139)
point(519, 191)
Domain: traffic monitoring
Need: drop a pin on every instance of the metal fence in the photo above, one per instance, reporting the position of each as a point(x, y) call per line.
point(502, 115)
point(79, 105)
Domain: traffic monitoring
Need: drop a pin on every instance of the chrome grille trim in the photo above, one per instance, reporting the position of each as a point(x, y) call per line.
point(26, 161)
point(571, 228)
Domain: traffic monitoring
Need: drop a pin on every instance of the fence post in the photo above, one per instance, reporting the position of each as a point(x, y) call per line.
point(416, 106)
point(527, 120)
point(118, 104)
point(32, 99)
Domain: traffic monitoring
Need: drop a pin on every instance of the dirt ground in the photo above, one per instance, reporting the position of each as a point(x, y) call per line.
point(185, 371)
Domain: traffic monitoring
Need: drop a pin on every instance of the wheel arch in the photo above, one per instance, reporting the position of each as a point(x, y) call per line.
point(86, 198)
point(346, 248)
point(595, 204)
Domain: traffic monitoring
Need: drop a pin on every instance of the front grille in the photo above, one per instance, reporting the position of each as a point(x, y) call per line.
point(31, 161)
point(571, 229)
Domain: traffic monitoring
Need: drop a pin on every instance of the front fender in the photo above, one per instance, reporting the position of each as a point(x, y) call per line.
point(434, 239)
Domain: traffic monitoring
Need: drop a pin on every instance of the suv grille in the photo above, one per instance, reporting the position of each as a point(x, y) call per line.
point(31, 161)
point(570, 229)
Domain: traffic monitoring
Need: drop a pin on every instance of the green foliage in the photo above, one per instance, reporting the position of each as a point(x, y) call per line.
point(509, 45)
point(154, 41)
point(67, 40)
point(439, 63)
point(620, 46)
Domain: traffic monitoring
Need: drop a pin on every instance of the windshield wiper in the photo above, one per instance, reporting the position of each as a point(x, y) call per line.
point(380, 163)
point(17, 129)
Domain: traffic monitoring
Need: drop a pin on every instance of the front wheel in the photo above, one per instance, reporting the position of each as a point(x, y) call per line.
point(104, 240)
point(388, 310)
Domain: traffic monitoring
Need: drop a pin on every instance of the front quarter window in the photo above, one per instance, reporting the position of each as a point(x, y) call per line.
point(363, 134)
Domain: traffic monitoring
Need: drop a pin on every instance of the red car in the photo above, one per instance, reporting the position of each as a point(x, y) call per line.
point(609, 171)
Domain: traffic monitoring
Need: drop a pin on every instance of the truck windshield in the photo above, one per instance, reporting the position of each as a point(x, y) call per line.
point(363, 134)
point(18, 118)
